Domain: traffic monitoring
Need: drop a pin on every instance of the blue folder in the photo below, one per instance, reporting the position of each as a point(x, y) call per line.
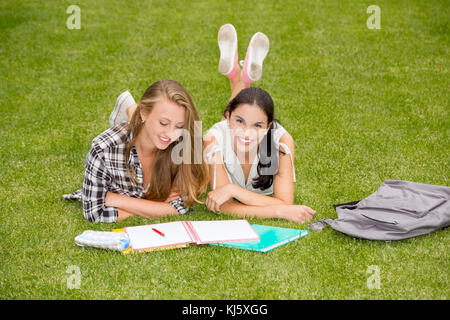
point(270, 238)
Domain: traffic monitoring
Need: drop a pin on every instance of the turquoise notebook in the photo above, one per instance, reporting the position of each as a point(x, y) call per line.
point(270, 238)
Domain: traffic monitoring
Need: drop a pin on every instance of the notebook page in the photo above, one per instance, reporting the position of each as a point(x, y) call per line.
point(143, 237)
point(223, 231)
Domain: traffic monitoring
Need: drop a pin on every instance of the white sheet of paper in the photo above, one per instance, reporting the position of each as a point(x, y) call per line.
point(224, 231)
point(143, 237)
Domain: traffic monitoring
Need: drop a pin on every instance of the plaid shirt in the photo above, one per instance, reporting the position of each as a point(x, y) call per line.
point(105, 170)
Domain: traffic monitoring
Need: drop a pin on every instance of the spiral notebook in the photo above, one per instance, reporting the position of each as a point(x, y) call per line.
point(270, 238)
point(182, 233)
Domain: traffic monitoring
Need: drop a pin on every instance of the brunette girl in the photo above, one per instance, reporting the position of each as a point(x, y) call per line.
point(251, 155)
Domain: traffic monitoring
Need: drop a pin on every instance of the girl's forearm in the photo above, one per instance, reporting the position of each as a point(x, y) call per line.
point(243, 210)
point(251, 198)
point(123, 214)
point(140, 207)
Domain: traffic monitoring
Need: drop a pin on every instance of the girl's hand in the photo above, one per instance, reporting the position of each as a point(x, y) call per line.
point(219, 196)
point(296, 213)
point(173, 196)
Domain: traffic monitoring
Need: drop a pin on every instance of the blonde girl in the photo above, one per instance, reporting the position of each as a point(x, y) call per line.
point(130, 170)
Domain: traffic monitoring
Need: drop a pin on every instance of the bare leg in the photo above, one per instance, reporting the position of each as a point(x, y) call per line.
point(236, 85)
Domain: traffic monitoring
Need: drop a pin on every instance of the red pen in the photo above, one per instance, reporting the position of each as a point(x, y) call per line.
point(158, 232)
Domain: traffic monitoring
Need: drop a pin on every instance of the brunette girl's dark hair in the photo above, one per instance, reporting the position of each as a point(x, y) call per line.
point(267, 150)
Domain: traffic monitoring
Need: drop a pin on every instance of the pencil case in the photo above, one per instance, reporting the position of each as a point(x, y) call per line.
point(103, 240)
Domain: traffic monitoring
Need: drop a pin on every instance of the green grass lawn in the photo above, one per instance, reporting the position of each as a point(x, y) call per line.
point(362, 105)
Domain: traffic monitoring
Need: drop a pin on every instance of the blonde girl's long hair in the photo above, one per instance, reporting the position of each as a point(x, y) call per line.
point(189, 178)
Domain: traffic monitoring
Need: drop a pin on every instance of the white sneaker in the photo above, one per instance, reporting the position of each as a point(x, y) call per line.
point(119, 114)
point(256, 52)
point(227, 39)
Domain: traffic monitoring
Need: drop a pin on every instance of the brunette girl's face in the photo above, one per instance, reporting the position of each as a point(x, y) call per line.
point(164, 124)
point(248, 125)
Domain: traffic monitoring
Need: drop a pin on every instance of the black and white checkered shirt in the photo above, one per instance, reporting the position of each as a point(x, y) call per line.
point(105, 170)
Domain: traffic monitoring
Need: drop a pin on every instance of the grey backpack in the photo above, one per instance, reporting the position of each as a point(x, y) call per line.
point(397, 210)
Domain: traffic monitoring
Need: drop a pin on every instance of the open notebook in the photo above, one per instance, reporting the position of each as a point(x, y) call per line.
point(181, 233)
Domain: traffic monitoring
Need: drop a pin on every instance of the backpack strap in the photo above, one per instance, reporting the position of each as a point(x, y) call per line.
point(288, 151)
point(209, 156)
point(347, 205)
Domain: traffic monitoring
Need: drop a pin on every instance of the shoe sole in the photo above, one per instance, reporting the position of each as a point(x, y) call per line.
point(227, 39)
point(258, 49)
